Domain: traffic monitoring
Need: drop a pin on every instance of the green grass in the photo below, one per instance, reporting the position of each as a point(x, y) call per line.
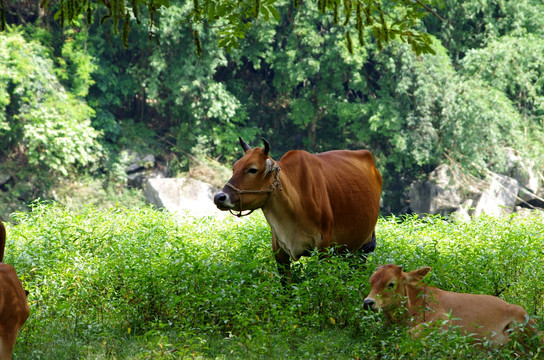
point(141, 284)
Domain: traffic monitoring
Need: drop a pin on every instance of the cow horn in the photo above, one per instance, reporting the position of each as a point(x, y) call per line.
point(266, 146)
point(245, 146)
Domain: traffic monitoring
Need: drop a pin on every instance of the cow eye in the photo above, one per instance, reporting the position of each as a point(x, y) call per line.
point(391, 285)
point(252, 171)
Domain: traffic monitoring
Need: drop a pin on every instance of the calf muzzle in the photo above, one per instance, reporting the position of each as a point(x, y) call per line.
point(367, 304)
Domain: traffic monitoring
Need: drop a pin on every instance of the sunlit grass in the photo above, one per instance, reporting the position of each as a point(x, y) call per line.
point(143, 284)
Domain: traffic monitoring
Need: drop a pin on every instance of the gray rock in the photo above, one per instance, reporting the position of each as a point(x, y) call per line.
point(523, 170)
point(182, 195)
point(438, 195)
point(499, 198)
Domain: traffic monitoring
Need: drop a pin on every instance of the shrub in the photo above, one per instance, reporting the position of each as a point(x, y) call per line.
point(140, 283)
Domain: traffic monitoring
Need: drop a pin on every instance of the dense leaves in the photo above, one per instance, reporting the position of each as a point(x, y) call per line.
point(233, 19)
point(514, 66)
point(39, 118)
point(294, 81)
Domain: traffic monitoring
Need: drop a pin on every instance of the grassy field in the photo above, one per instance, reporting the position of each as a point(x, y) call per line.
point(143, 284)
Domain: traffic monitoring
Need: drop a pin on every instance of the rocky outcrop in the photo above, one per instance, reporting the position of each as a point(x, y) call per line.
point(523, 171)
point(499, 197)
point(185, 196)
point(446, 191)
point(141, 168)
point(438, 195)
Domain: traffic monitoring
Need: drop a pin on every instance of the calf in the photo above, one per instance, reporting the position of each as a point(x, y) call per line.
point(13, 306)
point(484, 316)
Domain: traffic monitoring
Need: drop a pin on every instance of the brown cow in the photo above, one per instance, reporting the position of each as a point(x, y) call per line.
point(485, 316)
point(13, 306)
point(311, 201)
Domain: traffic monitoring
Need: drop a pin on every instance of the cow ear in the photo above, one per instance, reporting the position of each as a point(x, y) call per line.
point(270, 166)
point(418, 275)
point(266, 149)
point(245, 146)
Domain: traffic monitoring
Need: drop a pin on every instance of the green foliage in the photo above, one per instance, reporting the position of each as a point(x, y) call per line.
point(139, 283)
point(423, 111)
point(326, 75)
point(76, 64)
point(39, 119)
point(206, 118)
point(234, 19)
point(471, 24)
point(472, 112)
point(515, 66)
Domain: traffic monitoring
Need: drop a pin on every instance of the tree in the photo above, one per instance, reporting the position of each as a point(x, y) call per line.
point(385, 20)
point(43, 125)
point(515, 66)
point(471, 24)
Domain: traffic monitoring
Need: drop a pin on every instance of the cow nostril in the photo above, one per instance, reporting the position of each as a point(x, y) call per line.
point(219, 198)
point(367, 304)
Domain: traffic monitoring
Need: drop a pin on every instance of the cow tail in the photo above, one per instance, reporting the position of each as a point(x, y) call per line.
point(2, 241)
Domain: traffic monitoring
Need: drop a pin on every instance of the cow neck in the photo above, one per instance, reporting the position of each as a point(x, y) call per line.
point(281, 201)
point(276, 184)
point(417, 298)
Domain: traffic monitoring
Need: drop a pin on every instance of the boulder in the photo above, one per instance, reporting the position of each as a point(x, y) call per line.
point(182, 195)
point(137, 179)
point(4, 178)
point(499, 198)
point(429, 198)
point(141, 168)
point(523, 170)
point(465, 209)
point(438, 195)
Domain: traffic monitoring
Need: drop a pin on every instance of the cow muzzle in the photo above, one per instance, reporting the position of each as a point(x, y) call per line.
point(369, 304)
point(222, 201)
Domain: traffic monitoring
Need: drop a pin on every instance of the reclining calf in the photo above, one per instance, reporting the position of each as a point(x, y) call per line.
point(485, 316)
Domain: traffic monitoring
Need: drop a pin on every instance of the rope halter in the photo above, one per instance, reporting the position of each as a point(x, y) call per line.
point(275, 184)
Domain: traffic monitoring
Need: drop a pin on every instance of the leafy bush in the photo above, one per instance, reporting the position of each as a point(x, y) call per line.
point(39, 119)
point(494, 64)
point(141, 283)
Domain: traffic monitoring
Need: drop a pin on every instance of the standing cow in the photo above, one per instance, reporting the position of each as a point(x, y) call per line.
point(311, 201)
point(13, 306)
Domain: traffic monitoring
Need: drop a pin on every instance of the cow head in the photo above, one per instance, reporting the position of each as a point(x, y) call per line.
point(254, 178)
point(388, 287)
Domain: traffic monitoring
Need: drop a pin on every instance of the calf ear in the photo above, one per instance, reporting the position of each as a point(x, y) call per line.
point(418, 275)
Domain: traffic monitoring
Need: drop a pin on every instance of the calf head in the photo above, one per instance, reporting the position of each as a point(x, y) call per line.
point(388, 287)
point(252, 180)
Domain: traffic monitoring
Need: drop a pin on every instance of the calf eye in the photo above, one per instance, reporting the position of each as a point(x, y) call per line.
point(391, 285)
point(252, 171)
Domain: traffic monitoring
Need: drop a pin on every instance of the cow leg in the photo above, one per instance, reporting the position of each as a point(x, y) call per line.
point(371, 246)
point(367, 248)
point(284, 263)
point(7, 343)
point(284, 267)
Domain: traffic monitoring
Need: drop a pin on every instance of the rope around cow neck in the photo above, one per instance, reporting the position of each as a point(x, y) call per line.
point(275, 184)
